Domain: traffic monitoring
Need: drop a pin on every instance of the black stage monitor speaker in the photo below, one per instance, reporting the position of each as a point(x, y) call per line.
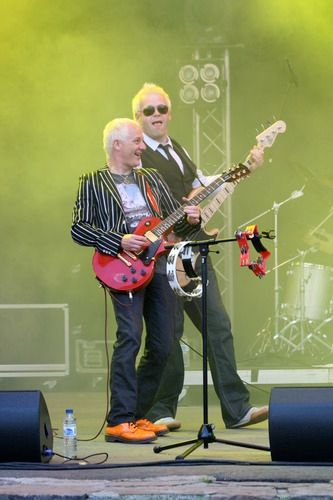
point(25, 427)
point(301, 424)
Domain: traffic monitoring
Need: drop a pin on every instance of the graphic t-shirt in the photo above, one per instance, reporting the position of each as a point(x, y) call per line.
point(135, 208)
point(134, 205)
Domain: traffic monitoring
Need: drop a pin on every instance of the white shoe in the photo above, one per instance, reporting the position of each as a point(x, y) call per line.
point(253, 416)
point(171, 423)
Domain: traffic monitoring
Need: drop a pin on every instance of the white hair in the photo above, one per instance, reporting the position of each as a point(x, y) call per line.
point(116, 129)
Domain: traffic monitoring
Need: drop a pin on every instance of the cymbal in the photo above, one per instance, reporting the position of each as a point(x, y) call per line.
point(322, 239)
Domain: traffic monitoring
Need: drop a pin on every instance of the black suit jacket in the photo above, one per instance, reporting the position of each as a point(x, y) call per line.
point(98, 217)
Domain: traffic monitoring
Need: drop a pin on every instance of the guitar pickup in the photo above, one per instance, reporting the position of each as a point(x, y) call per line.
point(151, 236)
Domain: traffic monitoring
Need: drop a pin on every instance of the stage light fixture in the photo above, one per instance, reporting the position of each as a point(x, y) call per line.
point(189, 94)
point(210, 92)
point(209, 73)
point(188, 74)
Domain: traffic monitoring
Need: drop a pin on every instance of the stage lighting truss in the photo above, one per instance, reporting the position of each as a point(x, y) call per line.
point(201, 81)
point(204, 87)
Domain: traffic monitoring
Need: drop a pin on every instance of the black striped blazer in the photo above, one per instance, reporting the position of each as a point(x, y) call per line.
point(98, 216)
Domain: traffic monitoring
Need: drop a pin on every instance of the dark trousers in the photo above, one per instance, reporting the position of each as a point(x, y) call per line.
point(133, 389)
point(231, 391)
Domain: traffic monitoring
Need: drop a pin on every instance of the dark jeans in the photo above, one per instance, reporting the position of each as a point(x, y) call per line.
point(133, 390)
point(231, 391)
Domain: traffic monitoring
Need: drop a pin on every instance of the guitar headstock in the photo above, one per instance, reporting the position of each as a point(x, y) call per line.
point(236, 173)
point(266, 138)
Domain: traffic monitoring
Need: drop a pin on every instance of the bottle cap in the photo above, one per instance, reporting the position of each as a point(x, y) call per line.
point(69, 410)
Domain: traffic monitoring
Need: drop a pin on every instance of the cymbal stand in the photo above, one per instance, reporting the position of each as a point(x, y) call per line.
point(321, 223)
point(301, 329)
point(206, 432)
point(275, 208)
point(300, 317)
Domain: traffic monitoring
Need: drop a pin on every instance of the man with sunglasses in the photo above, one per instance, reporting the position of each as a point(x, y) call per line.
point(151, 108)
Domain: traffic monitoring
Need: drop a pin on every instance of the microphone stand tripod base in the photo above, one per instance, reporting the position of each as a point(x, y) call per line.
point(205, 436)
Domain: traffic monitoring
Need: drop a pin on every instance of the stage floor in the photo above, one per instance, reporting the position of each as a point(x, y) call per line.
point(132, 471)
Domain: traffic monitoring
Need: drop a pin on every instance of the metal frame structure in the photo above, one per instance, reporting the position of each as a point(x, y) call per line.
point(212, 142)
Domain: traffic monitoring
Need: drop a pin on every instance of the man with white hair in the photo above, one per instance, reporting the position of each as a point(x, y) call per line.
point(110, 204)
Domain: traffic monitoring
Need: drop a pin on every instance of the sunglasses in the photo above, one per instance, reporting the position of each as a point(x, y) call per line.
point(150, 110)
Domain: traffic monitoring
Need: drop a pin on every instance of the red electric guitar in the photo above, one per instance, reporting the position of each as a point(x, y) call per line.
point(128, 271)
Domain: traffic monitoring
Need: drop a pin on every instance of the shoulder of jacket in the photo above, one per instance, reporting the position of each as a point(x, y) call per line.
point(147, 171)
point(94, 173)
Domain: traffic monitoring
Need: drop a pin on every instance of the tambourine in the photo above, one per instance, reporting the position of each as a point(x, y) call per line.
point(180, 271)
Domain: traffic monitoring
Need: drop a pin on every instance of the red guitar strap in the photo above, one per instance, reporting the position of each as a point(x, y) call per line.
point(252, 233)
point(151, 199)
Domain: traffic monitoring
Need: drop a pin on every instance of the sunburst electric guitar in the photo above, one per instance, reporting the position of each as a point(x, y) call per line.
point(127, 271)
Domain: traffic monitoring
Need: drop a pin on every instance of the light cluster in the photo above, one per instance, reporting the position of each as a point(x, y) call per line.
point(200, 81)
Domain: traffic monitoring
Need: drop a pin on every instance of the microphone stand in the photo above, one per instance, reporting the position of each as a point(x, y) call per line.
point(206, 432)
point(276, 206)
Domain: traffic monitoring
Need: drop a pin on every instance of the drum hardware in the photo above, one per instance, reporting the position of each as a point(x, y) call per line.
point(320, 237)
point(282, 332)
point(275, 208)
point(305, 313)
point(266, 342)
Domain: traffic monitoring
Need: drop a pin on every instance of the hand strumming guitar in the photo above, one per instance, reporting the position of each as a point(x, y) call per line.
point(134, 242)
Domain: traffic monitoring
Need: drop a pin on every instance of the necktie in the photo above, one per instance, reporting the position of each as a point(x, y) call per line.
point(166, 149)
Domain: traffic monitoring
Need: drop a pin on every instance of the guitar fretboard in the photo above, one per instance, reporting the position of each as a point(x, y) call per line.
point(230, 176)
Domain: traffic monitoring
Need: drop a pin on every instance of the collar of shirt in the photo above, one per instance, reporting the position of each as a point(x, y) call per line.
point(153, 144)
point(199, 181)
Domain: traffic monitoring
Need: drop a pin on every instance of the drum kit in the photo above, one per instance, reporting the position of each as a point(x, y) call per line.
point(303, 314)
point(304, 318)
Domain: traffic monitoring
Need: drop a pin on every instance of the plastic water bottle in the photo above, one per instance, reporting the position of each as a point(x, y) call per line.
point(70, 434)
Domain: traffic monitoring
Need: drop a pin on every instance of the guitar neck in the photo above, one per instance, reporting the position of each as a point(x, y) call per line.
point(208, 211)
point(264, 140)
point(176, 216)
